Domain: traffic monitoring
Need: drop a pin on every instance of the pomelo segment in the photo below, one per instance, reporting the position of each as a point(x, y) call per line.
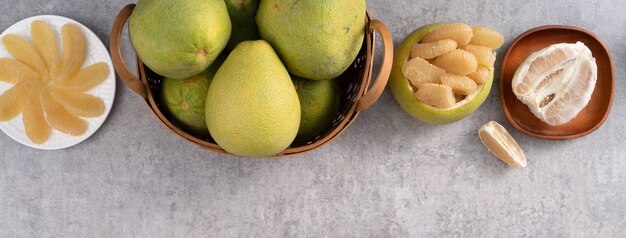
point(45, 42)
point(432, 50)
point(33, 117)
point(59, 118)
point(484, 56)
point(501, 144)
point(26, 53)
point(485, 36)
point(481, 75)
point(556, 83)
point(78, 103)
point(459, 32)
point(436, 95)
point(461, 85)
point(458, 62)
point(85, 79)
point(74, 51)
point(12, 101)
point(14, 72)
point(418, 71)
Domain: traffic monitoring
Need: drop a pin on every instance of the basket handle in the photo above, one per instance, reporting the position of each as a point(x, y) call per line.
point(131, 80)
point(377, 89)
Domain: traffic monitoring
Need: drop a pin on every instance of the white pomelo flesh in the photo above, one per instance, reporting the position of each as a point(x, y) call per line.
point(556, 83)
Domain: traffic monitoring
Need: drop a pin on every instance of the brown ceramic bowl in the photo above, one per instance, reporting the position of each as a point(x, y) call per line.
point(590, 118)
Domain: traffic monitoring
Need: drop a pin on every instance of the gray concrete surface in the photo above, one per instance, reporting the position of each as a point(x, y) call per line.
point(387, 176)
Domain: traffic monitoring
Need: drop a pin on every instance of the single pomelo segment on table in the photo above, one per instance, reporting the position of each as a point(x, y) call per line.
point(315, 39)
point(481, 75)
point(418, 71)
point(461, 85)
point(254, 112)
point(34, 119)
point(179, 39)
point(14, 72)
point(24, 51)
point(484, 56)
point(12, 101)
point(45, 40)
point(74, 51)
point(319, 103)
point(459, 32)
point(557, 82)
point(86, 78)
point(242, 14)
point(404, 92)
point(78, 103)
point(458, 62)
point(501, 144)
point(432, 50)
point(436, 95)
point(60, 118)
point(485, 36)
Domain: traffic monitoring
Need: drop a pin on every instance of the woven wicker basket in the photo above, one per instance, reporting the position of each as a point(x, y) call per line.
point(356, 95)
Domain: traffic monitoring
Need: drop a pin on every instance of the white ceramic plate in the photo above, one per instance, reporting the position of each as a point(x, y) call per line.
point(97, 52)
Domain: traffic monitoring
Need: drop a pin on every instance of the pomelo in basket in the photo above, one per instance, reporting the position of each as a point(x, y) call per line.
point(319, 102)
point(315, 39)
point(252, 108)
point(179, 39)
point(242, 14)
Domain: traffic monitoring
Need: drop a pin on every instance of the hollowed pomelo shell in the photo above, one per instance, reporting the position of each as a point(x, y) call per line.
point(402, 92)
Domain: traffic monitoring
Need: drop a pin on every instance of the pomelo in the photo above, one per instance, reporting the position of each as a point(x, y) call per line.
point(185, 98)
point(404, 94)
point(179, 39)
point(319, 102)
point(252, 108)
point(315, 39)
point(242, 14)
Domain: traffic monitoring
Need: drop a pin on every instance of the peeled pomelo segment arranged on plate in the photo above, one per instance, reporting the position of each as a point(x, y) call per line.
point(45, 42)
point(34, 119)
point(458, 62)
point(24, 51)
point(485, 36)
point(432, 50)
point(74, 51)
point(501, 144)
point(12, 101)
point(78, 103)
point(14, 72)
point(418, 71)
point(85, 79)
point(557, 82)
point(459, 32)
point(59, 118)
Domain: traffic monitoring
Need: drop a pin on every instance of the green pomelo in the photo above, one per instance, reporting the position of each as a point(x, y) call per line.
point(403, 93)
point(242, 14)
point(252, 108)
point(319, 103)
point(179, 39)
point(315, 39)
point(184, 99)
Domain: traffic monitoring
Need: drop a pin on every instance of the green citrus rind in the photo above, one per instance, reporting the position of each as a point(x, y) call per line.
point(402, 92)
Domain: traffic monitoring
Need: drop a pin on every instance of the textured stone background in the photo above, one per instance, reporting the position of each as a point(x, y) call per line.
point(387, 176)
